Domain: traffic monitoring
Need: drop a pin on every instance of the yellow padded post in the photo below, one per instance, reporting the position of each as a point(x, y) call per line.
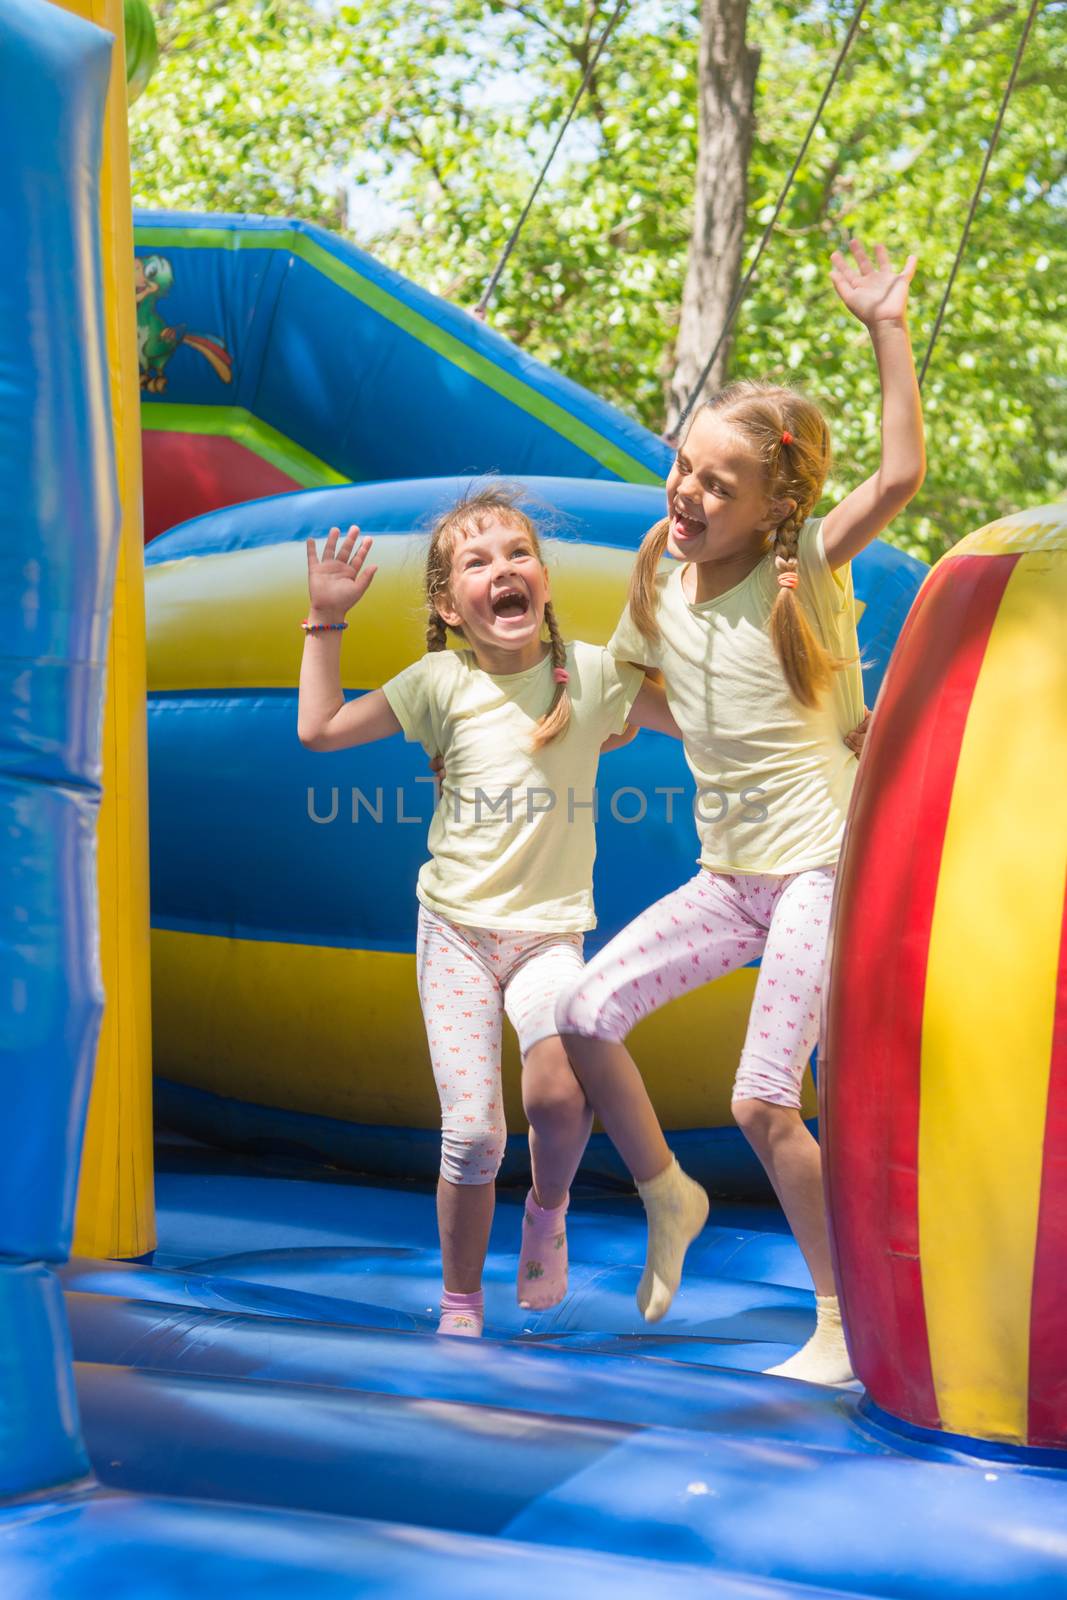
point(116, 1211)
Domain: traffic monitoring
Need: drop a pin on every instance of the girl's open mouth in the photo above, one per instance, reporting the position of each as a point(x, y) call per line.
point(686, 527)
point(510, 603)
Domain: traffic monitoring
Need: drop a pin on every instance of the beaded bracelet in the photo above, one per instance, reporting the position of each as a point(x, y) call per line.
point(323, 627)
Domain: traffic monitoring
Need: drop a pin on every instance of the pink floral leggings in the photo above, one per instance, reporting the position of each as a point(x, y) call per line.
point(710, 926)
point(469, 979)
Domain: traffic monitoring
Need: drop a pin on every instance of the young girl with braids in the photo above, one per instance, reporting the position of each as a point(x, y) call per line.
point(507, 893)
point(754, 631)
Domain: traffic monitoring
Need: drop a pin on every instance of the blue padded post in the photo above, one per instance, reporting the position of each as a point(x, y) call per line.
point(58, 540)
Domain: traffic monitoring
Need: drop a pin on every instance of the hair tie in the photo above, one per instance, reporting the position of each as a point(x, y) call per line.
point(787, 438)
point(561, 675)
point(788, 580)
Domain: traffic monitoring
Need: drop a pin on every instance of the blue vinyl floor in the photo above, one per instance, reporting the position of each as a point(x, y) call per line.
point(269, 1412)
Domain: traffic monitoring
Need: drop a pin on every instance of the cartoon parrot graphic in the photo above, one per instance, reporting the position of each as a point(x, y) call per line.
point(156, 343)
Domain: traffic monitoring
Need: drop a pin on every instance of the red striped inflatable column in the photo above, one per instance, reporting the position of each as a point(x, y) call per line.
point(944, 1060)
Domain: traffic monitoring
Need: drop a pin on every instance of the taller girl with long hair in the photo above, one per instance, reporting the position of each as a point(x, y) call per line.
point(754, 631)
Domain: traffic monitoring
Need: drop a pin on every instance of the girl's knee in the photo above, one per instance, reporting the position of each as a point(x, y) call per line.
point(553, 1095)
point(763, 1121)
point(472, 1157)
point(763, 1082)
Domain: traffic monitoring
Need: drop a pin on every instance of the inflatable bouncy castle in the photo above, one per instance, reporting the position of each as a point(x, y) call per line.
point(239, 1389)
point(313, 365)
point(950, 950)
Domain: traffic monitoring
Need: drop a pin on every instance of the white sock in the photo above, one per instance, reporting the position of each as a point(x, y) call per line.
point(677, 1209)
point(825, 1358)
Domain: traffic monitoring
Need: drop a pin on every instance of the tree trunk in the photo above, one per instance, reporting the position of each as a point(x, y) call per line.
point(726, 83)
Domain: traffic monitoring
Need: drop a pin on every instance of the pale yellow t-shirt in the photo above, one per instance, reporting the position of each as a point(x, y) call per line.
point(773, 778)
point(513, 837)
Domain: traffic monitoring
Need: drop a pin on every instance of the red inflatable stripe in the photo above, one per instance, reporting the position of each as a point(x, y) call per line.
point(1048, 1301)
point(873, 1041)
point(186, 474)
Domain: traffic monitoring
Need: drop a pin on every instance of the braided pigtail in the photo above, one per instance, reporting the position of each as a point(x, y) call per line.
point(438, 576)
point(642, 595)
point(808, 667)
point(790, 438)
point(436, 630)
point(557, 718)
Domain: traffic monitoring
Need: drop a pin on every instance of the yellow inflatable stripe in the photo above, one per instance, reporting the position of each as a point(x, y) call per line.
point(1043, 528)
point(989, 1011)
point(256, 1021)
point(232, 620)
point(115, 1210)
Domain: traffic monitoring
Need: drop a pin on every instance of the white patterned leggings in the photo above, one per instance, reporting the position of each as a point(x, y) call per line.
point(469, 978)
point(710, 926)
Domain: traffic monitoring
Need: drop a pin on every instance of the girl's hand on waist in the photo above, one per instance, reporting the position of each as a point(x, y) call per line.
point(855, 739)
point(615, 741)
point(340, 578)
point(874, 294)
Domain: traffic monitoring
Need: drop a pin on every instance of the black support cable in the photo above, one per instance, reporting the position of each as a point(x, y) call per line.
point(483, 304)
point(1020, 47)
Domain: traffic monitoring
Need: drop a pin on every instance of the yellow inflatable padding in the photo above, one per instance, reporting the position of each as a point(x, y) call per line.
point(116, 1209)
point(1023, 533)
point(264, 1030)
point(233, 620)
point(984, 1134)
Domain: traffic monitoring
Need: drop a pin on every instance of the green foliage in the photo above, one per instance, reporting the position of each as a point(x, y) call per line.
point(246, 112)
point(901, 150)
point(442, 110)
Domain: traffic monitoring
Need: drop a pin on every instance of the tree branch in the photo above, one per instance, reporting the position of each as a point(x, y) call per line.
point(530, 15)
point(980, 24)
point(412, 139)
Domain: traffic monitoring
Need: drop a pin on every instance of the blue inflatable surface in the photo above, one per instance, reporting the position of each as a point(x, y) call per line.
point(279, 1353)
point(59, 531)
point(363, 368)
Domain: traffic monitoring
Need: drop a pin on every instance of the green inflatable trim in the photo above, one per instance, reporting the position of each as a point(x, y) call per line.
point(234, 422)
point(443, 343)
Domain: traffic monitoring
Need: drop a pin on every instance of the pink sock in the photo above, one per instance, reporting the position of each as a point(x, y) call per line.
point(463, 1314)
point(543, 1258)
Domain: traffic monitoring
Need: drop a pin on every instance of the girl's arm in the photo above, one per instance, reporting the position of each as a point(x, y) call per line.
point(325, 719)
point(650, 710)
point(878, 297)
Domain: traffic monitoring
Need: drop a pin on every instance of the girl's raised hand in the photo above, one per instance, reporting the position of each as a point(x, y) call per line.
point(872, 293)
point(340, 578)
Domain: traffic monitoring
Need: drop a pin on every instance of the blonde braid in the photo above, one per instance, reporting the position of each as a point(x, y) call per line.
point(790, 439)
point(557, 718)
point(808, 667)
point(436, 631)
point(438, 572)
